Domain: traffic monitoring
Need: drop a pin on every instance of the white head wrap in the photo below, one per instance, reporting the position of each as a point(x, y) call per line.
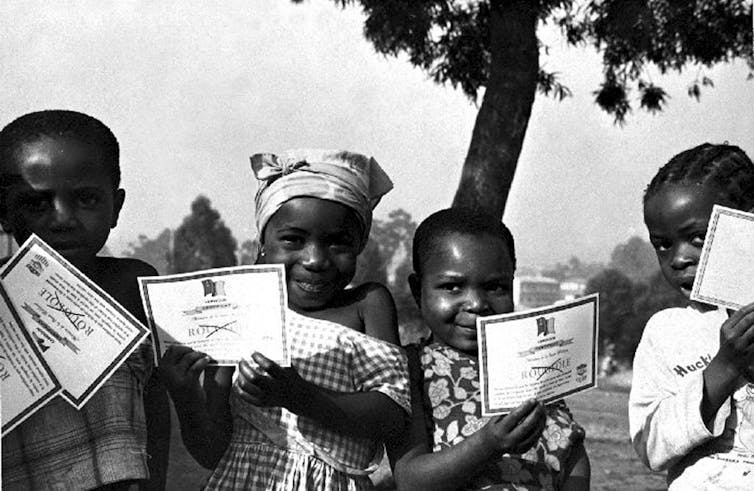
point(352, 179)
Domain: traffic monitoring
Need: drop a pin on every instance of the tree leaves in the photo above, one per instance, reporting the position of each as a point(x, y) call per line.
point(203, 241)
point(612, 97)
point(548, 83)
point(450, 40)
point(653, 98)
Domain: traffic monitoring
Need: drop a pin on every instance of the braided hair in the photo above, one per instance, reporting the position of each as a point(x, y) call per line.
point(725, 167)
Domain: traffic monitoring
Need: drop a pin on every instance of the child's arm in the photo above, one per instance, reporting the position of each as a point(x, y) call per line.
point(669, 419)
point(157, 415)
point(379, 314)
point(415, 467)
point(204, 413)
point(369, 414)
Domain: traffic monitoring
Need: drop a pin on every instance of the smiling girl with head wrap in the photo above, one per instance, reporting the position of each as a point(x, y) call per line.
point(319, 424)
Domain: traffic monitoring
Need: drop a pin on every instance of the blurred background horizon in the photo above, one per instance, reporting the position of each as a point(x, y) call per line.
point(191, 90)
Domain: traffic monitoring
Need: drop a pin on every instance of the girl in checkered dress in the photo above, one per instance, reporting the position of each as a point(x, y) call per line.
point(319, 424)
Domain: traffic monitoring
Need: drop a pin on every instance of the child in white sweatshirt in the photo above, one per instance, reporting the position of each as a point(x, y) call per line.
point(691, 408)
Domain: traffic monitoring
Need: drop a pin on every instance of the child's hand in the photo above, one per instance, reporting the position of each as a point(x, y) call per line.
point(737, 342)
point(517, 431)
point(269, 384)
point(180, 368)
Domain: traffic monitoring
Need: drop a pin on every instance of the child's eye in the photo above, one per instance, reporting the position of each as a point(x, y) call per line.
point(497, 288)
point(660, 245)
point(291, 239)
point(88, 200)
point(698, 240)
point(35, 203)
point(450, 287)
point(343, 240)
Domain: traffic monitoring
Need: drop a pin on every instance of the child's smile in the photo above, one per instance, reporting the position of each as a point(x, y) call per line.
point(62, 192)
point(676, 218)
point(465, 277)
point(318, 241)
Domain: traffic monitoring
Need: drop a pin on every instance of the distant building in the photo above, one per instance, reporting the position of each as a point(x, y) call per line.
point(572, 288)
point(535, 291)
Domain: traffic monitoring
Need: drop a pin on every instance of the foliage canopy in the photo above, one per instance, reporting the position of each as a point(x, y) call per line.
point(203, 240)
point(451, 40)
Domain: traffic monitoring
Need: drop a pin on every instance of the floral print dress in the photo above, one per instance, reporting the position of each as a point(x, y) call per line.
point(452, 402)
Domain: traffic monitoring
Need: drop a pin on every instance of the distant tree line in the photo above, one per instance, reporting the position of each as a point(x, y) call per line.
point(631, 290)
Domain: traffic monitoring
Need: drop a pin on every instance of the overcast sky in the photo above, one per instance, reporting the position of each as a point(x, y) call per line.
point(191, 89)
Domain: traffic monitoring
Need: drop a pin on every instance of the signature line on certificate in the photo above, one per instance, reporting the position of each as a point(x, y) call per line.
point(224, 327)
point(69, 314)
point(546, 369)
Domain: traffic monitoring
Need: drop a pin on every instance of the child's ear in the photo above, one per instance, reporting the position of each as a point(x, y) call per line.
point(4, 223)
point(118, 198)
point(415, 283)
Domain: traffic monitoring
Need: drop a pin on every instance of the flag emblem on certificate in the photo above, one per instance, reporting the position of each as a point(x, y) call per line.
point(545, 326)
point(213, 288)
point(213, 297)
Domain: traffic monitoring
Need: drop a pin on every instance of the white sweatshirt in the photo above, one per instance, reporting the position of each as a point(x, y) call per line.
point(664, 412)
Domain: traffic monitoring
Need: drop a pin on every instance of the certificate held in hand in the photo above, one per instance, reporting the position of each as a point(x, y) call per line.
point(227, 313)
point(545, 353)
point(725, 274)
point(71, 327)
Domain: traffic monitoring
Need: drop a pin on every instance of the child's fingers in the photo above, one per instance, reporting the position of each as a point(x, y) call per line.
point(270, 367)
point(199, 364)
point(249, 392)
point(174, 353)
point(533, 422)
point(186, 363)
point(741, 319)
point(249, 371)
point(526, 441)
point(515, 417)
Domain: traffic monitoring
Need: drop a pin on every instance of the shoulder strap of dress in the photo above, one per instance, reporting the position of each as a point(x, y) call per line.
point(418, 395)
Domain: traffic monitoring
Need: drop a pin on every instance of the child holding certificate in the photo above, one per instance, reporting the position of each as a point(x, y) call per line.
point(463, 269)
point(691, 407)
point(321, 423)
point(59, 179)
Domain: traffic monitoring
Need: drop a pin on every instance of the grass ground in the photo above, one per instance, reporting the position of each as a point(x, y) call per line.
point(603, 413)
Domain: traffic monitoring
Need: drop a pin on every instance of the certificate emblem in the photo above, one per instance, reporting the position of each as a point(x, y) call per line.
point(37, 264)
point(545, 326)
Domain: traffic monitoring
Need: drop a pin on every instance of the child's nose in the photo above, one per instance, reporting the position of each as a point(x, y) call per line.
point(63, 213)
point(476, 302)
point(683, 256)
point(315, 257)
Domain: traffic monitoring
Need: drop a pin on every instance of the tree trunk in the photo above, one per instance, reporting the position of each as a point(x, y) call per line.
point(504, 114)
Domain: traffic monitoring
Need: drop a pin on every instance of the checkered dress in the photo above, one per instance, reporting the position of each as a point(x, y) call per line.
point(274, 449)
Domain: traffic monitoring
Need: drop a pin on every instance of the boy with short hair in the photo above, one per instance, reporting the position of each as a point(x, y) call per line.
point(59, 179)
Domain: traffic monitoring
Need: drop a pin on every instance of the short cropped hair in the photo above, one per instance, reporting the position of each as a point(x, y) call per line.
point(726, 167)
point(450, 221)
point(61, 123)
